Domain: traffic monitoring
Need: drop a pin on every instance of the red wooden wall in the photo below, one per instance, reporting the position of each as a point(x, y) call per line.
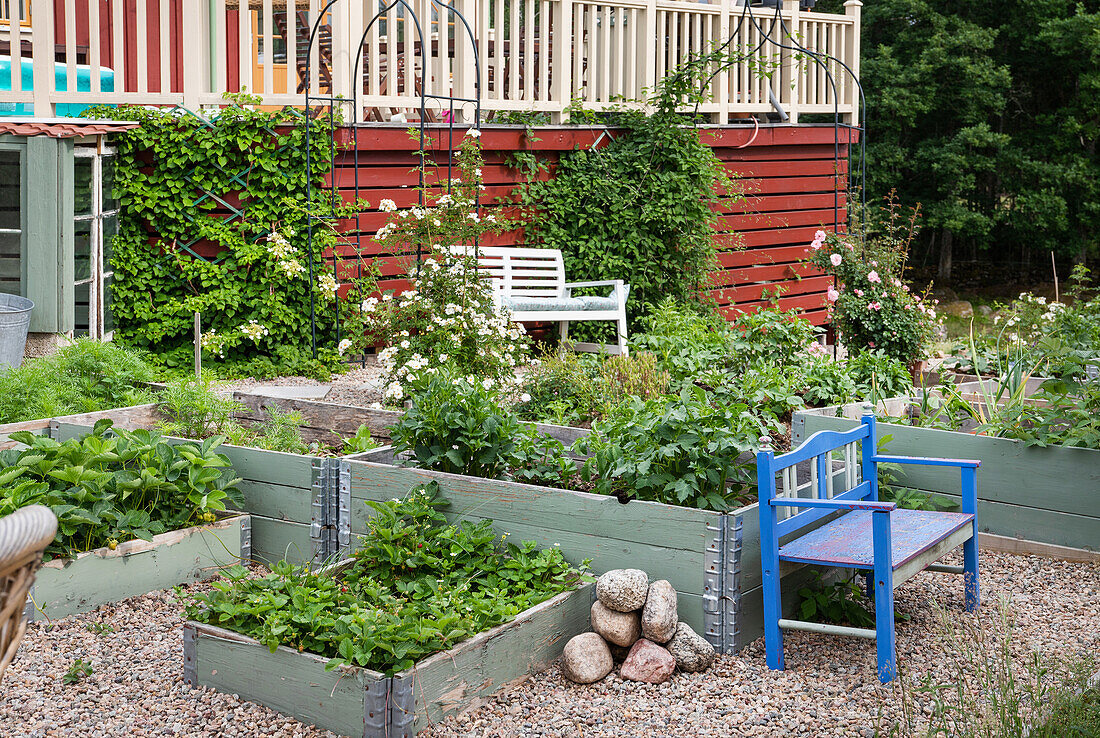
point(790, 175)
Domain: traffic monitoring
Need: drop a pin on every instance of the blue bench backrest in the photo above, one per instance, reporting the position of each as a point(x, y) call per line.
point(858, 479)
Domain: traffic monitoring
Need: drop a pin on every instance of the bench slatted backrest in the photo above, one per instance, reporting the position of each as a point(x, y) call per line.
point(521, 272)
point(853, 448)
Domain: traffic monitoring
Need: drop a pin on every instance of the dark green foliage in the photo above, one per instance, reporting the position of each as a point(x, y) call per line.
point(842, 603)
point(416, 586)
point(461, 427)
point(110, 487)
point(173, 173)
point(878, 376)
point(82, 377)
point(989, 115)
point(643, 208)
point(676, 450)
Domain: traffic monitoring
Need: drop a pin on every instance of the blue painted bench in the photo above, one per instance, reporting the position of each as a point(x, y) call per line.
point(890, 543)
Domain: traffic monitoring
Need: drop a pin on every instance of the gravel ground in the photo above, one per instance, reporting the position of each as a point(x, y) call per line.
point(829, 689)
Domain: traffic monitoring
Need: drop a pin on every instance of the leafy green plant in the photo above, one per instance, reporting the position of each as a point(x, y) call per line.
point(100, 629)
point(360, 442)
point(459, 425)
point(111, 486)
point(561, 387)
point(677, 450)
point(879, 376)
point(841, 602)
point(172, 173)
point(82, 377)
point(193, 409)
point(416, 585)
point(828, 382)
point(77, 672)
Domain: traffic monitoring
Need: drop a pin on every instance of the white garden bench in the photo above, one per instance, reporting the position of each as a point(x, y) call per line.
point(530, 284)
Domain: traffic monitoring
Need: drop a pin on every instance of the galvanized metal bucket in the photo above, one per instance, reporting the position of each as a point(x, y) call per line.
point(15, 318)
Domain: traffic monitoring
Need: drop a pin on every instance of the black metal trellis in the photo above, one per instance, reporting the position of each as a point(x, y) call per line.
point(444, 16)
point(822, 61)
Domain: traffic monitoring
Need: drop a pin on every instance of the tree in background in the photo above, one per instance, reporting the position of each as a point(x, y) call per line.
point(988, 114)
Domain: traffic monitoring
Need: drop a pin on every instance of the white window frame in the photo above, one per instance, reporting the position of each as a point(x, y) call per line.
point(98, 276)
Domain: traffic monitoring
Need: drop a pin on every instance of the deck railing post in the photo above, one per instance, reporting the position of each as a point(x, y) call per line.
point(722, 86)
point(564, 46)
point(196, 59)
point(794, 63)
point(465, 73)
point(42, 63)
point(343, 53)
point(851, 57)
point(653, 44)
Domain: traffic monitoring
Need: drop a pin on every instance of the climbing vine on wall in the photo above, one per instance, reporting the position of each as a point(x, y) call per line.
point(213, 220)
point(642, 208)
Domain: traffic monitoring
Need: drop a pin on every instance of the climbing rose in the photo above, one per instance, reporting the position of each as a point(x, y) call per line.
point(835, 260)
point(873, 277)
point(819, 236)
point(875, 306)
point(816, 244)
point(832, 295)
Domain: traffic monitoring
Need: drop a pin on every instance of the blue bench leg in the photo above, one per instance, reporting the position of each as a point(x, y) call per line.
point(884, 597)
point(970, 572)
point(773, 610)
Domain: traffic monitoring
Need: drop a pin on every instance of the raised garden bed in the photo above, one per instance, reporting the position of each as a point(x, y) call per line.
point(356, 702)
point(68, 586)
point(1050, 495)
point(309, 509)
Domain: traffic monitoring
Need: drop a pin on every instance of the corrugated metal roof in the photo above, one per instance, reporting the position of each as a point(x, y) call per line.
point(62, 128)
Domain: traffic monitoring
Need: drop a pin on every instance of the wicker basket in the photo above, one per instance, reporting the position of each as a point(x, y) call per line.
point(24, 535)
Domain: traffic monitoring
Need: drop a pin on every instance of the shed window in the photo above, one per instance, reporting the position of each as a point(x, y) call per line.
point(11, 222)
point(96, 222)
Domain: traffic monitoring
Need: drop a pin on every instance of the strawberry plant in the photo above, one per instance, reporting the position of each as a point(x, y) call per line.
point(115, 485)
point(417, 585)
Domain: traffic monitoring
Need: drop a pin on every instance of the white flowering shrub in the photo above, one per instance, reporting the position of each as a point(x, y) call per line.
point(447, 320)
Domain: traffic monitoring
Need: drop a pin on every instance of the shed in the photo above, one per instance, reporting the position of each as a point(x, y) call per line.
point(58, 215)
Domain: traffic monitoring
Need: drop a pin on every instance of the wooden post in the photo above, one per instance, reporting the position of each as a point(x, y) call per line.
point(198, 346)
point(723, 86)
point(42, 38)
point(851, 54)
point(793, 66)
point(564, 47)
point(465, 72)
point(196, 64)
point(649, 49)
point(343, 55)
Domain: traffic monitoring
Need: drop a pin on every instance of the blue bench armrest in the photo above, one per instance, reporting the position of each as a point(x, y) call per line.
point(836, 504)
point(926, 461)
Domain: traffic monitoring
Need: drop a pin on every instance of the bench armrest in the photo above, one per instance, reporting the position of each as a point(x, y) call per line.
point(927, 461)
point(836, 504)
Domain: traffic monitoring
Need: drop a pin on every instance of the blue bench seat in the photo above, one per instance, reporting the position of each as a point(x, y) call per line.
point(848, 540)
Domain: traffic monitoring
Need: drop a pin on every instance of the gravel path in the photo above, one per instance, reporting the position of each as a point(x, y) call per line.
point(829, 689)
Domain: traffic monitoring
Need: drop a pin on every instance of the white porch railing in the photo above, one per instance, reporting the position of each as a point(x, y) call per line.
point(535, 55)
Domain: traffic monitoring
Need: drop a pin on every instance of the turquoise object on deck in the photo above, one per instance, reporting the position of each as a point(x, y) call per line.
point(61, 75)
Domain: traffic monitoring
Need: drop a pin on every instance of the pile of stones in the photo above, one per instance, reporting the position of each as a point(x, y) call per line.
point(635, 623)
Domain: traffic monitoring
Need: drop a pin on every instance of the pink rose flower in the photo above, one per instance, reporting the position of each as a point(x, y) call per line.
point(871, 344)
point(819, 236)
point(874, 306)
point(859, 293)
point(873, 277)
point(816, 244)
point(835, 260)
point(832, 295)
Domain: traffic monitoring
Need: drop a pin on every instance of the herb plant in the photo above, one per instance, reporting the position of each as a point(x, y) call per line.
point(111, 486)
point(417, 585)
point(82, 377)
